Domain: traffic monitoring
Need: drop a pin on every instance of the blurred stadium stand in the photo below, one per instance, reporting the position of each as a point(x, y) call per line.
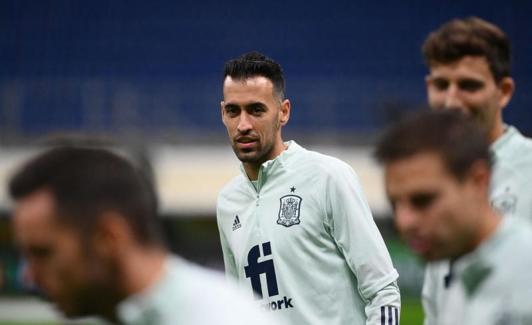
point(147, 75)
point(153, 69)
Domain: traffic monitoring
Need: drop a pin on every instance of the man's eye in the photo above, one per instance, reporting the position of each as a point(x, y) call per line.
point(393, 204)
point(470, 85)
point(40, 252)
point(440, 84)
point(231, 111)
point(422, 201)
point(257, 111)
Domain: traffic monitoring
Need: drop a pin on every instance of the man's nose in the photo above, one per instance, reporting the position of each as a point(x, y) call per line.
point(405, 218)
point(453, 99)
point(244, 123)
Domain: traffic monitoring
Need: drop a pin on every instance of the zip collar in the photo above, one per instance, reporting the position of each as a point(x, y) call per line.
point(501, 144)
point(473, 268)
point(274, 166)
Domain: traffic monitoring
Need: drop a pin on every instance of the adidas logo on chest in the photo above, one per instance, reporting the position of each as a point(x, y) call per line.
point(236, 223)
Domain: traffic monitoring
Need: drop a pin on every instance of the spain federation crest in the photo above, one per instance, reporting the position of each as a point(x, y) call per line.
point(505, 203)
point(289, 210)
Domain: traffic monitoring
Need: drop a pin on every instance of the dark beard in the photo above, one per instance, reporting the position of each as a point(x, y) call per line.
point(101, 294)
point(256, 159)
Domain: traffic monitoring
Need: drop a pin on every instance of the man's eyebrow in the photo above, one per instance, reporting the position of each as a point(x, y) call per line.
point(470, 80)
point(249, 105)
point(255, 105)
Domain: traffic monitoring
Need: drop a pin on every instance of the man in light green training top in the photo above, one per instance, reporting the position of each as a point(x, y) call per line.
point(437, 174)
point(469, 70)
point(295, 227)
point(86, 222)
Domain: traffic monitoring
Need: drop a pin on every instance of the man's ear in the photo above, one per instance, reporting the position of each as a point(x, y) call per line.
point(507, 88)
point(480, 174)
point(428, 80)
point(285, 112)
point(111, 234)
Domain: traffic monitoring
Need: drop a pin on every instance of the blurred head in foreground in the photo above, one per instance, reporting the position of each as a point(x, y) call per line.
point(469, 70)
point(84, 219)
point(437, 173)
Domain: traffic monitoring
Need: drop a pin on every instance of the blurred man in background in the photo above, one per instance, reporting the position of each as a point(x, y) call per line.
point(437, 175)
point(86, 222)
point(469, 70)
point(295, 226)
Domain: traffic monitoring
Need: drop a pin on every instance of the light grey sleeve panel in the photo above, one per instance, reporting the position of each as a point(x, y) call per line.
point(512, 175)
point(359, 240)
point(385, 306)
point(228, 256)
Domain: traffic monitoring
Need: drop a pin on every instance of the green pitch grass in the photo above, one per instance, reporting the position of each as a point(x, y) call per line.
point(5, 322)
point(411, 312)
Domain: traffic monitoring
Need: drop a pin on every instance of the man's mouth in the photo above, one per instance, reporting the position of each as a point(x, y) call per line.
point(418, 245)
point(245, 143)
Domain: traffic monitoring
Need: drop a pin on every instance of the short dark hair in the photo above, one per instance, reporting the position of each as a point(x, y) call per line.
point(255, 64)
point(469, 36)
point(455, 137)
point(85, 182)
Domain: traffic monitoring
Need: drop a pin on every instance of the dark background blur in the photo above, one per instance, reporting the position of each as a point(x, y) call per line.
point(153, 68)
point(148, 73)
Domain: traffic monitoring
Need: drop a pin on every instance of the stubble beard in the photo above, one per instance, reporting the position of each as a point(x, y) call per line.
point(254, 156)
point(100, 295)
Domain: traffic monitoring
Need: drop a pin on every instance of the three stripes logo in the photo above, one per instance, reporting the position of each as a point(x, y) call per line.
point(236, 223)
point(389, 315)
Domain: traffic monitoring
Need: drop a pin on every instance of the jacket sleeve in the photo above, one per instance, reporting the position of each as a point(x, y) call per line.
point(231, 270)
point(359, 240)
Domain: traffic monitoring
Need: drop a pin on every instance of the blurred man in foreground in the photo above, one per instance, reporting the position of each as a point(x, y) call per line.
point(469, 70)
point(437, 175)
point(86, 222)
